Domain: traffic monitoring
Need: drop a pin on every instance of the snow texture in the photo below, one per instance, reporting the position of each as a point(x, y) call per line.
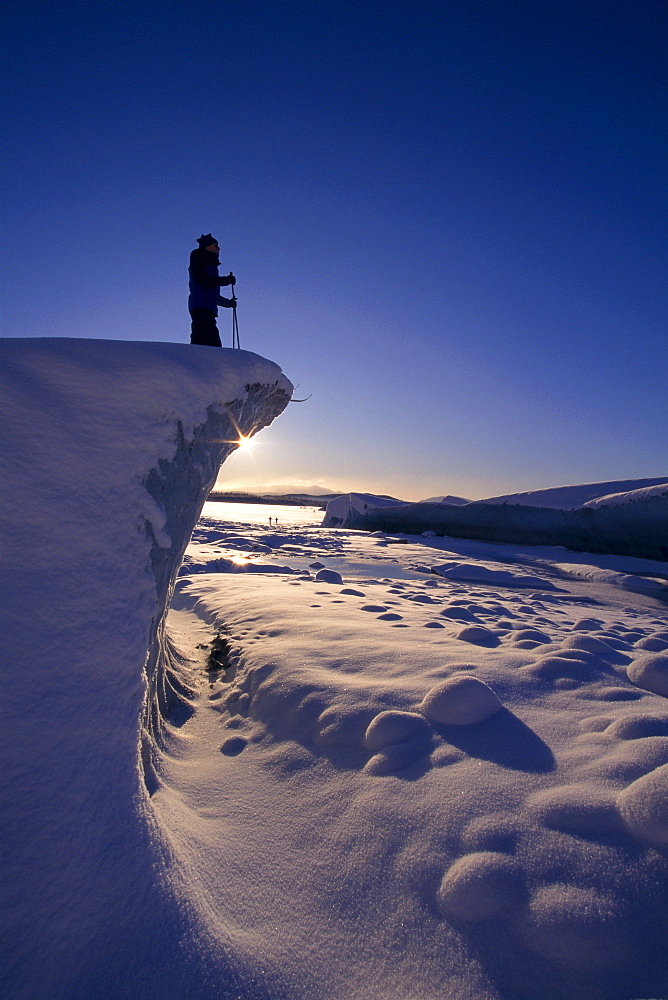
point(650, 671)
point(381, 783)
point(467, 740)
point(462, 700)
point(108, 452)
point(643, 806)
point(639, 495)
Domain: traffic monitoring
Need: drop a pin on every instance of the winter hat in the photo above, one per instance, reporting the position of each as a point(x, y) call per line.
point(207, 240)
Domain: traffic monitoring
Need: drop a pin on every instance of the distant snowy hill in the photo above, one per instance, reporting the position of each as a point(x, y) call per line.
point(645, 493)
point(295, 489)
point(572, 497)
point(457, 501)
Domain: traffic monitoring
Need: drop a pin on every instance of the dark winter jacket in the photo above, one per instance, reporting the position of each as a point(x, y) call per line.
point(204, 280)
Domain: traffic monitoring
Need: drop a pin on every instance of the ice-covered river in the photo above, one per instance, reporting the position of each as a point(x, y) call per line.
point(259, 513)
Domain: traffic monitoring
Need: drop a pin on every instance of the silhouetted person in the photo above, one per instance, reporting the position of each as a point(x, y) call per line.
point(205, 297)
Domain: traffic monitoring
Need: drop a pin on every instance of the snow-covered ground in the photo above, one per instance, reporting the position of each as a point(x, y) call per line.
point(432, 767)
point(392, 768)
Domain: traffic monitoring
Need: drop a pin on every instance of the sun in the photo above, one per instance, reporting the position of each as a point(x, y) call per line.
point(244, 444)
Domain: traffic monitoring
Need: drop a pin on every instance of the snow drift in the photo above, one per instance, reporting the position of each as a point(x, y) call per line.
point(108, 453)
point(626, 518)
point(435, 769)
point(350, 506)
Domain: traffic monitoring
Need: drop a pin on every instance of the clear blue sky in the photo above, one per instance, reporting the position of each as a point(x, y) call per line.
point(447, 219)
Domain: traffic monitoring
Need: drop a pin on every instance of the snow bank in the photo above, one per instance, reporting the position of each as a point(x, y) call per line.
point(455, 570)
point(657, 493)
point(633, 523)
point(340, 510)
point(108, 453)
point(573, 497)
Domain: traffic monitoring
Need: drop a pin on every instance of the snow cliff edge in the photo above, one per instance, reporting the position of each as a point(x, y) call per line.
point(109, 451)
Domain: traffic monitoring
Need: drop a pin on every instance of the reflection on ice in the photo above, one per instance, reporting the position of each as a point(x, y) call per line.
point(259, 513)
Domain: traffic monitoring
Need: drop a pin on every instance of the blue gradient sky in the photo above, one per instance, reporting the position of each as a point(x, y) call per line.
point(447, 220)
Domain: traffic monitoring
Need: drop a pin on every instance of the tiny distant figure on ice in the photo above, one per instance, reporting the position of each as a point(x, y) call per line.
point(205, 297)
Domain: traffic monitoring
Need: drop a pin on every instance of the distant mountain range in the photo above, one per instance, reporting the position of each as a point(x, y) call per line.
point(295, 489)
point(288, 499)
point(302, 493)
point(311, 496)
point(458, 501)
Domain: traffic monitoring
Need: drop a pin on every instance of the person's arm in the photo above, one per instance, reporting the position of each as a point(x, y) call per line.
point(199, 273)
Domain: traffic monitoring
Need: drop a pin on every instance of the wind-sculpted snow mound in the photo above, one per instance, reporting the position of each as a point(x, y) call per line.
point(492, 797)
point(108, 451)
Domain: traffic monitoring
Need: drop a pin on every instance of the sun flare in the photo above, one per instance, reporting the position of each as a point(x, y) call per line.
point(244, 444)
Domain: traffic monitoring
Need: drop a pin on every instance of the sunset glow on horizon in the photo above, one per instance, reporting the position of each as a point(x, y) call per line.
point(447, 221)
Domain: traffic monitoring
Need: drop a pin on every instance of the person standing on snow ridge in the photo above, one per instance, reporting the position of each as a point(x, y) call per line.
point(204, 297)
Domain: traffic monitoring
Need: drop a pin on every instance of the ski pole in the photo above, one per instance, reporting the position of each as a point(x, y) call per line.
point(235, 322)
